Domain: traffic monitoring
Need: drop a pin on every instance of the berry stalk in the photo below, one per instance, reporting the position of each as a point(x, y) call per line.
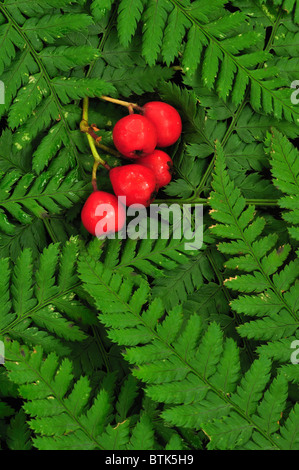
point(94, 176)
point(92, 139)
point(127, 104)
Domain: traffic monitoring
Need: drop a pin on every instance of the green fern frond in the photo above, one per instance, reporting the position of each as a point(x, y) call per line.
point(9, 39)
point(65, 412)
point(51, 27)
point(289, 6)
point(289, 437)
point(31, 236)
point(35, 307)
point(286, 42)
point(175, 285)
point(154, 20)
point(223, 47)
point(119, 61)
point(177, 271)
point(64, 58)
point(252, 126)
point(143, 342)
point(55, 414)
point(196, 373)
point(142, 435)
point(285, 171)
point(142, 79)
point(24, 196)
point(69, 89)
point(5, 410)
point(99, 8)
point(66, 90)
point(129, 13)
point(10, 159)
point(152, 257)
point(174, 32)
point(259, 256)
point(18, 433)
point(18, 8)
point(36, 50)
point(126, 398)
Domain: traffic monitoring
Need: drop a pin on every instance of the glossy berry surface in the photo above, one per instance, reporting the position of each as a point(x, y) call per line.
point(102, 214)
point(167, 121)
point(134, 136)
point(136, 182)
point(161, 164)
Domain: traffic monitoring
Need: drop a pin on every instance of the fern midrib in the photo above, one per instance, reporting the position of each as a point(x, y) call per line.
point(243, 155)
point(61, 402)
point(47, 78)
point(38, 197)
point(167, 345)
point(274, 328)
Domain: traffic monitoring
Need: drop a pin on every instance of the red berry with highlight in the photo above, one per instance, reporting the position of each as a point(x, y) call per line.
point(103, 214)
point(161, 164)
point(166, 120)
point(136, 182)
point(134, 136)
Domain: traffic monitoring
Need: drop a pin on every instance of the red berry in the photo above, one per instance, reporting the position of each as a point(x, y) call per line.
point(161, 164)
point(136, 182)
point(134, 136)
point(167, 121)
point(102, 214)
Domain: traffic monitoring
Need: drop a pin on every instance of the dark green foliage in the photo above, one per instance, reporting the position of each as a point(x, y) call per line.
point(140, 343)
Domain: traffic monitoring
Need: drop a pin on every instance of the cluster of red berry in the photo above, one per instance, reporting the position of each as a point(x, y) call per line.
point(136, 137)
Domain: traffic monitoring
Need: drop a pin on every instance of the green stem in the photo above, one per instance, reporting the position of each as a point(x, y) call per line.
point(85, 109)
point(94, 175)
point(103, 147)
point(50, 231)
point(127, 104)
point(205, 201)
